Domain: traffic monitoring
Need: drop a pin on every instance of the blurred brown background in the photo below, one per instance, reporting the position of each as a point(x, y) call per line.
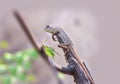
point(91, 24)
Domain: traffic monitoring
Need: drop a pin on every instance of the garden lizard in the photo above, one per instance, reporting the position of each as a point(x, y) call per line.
point(67, 45)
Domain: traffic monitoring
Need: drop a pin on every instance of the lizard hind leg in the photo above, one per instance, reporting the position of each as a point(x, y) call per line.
point(64, 46)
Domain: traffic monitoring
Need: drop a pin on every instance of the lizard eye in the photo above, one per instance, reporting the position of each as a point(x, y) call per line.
point(48, 26)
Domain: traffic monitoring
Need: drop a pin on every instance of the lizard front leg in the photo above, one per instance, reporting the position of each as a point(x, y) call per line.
point(53, 36)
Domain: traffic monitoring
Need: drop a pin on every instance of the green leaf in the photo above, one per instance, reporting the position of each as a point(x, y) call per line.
point(61, 76)
point(8, 57)
point(22, 77)
point(26, 58)
point(6, 80)
point(13, 70)
point(31, 78)
point(32, 53)
point(1, 78)
point(27, 65)
point(16, 69)
point(19, 57)
point(3, 68)
point(49, 51)
point(1, 60)
point(13, 79)
point(4, 44)
point(19, 69)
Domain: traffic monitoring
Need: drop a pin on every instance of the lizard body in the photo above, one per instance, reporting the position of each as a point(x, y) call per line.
point(67, 45)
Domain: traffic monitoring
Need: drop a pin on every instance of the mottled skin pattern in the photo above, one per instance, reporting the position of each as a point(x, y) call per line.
point(67, 46)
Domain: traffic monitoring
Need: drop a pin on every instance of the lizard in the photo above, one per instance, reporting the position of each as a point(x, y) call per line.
point(67, 45)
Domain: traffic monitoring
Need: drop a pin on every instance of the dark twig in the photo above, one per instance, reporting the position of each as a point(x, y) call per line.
point(35, 43)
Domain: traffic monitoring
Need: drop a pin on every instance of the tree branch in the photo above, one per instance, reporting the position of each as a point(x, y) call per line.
point(35, 44)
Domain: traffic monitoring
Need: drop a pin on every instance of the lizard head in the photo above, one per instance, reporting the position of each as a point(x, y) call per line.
point(51, 29)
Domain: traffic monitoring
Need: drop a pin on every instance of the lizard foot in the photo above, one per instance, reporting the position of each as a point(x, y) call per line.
point(64, 46)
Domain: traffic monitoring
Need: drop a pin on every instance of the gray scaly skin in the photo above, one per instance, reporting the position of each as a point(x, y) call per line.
point(67, 45)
